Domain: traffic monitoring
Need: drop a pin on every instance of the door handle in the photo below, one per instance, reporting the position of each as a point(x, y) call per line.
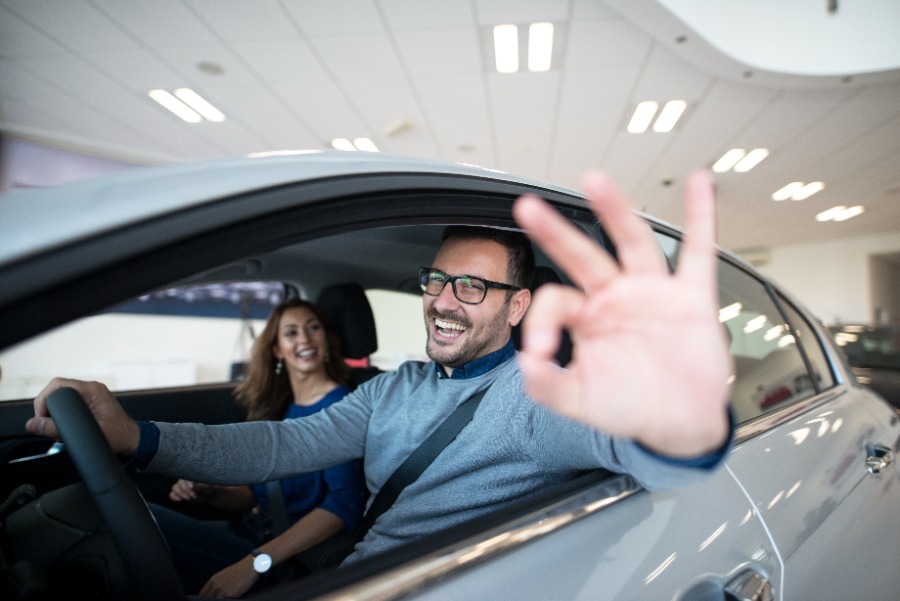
point(879, 458)
point(749, 586)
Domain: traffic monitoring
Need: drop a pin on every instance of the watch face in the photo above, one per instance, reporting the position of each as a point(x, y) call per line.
point(262, 563)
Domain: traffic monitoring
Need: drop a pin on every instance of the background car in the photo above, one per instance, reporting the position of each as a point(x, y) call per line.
point(809, 488)
point(873, 351)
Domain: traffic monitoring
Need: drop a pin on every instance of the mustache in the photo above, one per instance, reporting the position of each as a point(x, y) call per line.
point(450, 316)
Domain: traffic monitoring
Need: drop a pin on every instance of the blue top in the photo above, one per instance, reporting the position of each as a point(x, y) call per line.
point(339, 489)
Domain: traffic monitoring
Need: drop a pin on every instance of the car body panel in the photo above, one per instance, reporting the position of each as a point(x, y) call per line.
point(310, 221)
point(820, 494)
point(653, 546)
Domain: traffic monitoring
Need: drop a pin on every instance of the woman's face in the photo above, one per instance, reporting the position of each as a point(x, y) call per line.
point(301, 341)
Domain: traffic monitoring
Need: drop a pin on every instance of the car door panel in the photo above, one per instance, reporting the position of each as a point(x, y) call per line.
point(809, 483)
point(649, 546)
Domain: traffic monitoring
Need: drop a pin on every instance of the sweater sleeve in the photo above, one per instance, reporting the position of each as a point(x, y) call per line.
point(560, 443)
point(264, 450)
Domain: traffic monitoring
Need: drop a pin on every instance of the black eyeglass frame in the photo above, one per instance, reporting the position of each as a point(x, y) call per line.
point(425, 278)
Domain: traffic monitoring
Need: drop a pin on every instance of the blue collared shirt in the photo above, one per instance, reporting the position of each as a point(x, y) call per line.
point(480, 366)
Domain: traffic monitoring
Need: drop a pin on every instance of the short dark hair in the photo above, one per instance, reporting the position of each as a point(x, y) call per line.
point(519, 252)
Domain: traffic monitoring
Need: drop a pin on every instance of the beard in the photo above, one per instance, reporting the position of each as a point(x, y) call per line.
point(477, 341)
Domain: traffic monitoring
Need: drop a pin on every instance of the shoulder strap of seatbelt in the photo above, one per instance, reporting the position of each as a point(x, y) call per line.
point(421, 458)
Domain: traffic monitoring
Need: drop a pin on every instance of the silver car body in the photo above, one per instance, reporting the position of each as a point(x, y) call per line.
point(798, 512)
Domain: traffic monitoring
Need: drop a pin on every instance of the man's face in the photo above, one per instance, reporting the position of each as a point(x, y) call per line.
point(459, 332)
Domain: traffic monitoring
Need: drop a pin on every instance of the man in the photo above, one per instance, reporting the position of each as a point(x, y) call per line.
point(646, 392)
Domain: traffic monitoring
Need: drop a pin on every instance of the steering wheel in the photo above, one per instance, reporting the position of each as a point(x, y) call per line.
point(133, 529)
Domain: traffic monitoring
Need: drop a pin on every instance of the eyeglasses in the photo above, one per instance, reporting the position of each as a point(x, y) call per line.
point(466, 288)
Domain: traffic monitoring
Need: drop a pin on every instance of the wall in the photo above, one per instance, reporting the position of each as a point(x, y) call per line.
point(831, 278)
point(27, 165)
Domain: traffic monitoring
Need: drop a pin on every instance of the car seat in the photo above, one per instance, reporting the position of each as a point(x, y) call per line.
point(348, 308)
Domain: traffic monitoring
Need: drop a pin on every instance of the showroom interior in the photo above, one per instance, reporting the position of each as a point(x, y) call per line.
point(218, 217)
point(805, 93)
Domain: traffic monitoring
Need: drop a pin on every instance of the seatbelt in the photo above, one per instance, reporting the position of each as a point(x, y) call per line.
point(421, 458)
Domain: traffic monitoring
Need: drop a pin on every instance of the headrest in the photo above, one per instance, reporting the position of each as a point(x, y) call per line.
point(546, 275)
point(347, 306)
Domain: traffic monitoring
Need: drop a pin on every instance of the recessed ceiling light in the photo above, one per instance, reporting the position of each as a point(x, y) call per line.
point(840, 213)
point(850, 212)
point(176, 106)
point(728, 160)
point(342, 144)
point(364, 144)
point(740, 160)
point(199, 104)
point(187, 105)
point(753, 158)
point(540, 46)
point(788, 191)
point(798, 191)
point(506, 48)
point(669, 116)
point(642, 116)
point(808, 190)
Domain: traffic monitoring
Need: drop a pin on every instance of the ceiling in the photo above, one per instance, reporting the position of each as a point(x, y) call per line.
point(417, 77)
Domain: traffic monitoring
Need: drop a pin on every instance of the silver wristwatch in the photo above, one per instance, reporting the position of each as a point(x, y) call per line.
point(261, 561)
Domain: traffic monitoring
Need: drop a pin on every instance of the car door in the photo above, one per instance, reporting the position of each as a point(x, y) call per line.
point(621, 542)
point(805, 465)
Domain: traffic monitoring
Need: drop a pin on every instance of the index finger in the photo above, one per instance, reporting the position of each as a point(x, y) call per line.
point(589, 266)
point(40, 401)
point(697, 258)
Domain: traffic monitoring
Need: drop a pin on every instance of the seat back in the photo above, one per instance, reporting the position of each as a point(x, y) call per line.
point(546, 275)
point(348, 308)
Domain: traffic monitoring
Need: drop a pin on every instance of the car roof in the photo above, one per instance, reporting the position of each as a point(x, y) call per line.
point(40, 219)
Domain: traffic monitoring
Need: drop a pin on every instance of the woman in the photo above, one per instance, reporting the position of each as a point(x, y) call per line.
point(296, 369)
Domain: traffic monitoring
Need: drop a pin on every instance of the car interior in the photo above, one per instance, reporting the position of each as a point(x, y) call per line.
point(341, 267)
point(336, 271)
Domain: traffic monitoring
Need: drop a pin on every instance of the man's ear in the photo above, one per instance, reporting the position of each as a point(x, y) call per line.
point(518, 305)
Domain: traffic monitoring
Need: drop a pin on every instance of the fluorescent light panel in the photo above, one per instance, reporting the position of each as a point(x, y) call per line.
point(669, 116)
point(506, 48)
point(753, 158)
point(798, 191)
point(808, 190)
point(642, 116)
point(174, 105)
point(199, 104)
point(728, 160)
point(540, 46)
point(646, 111)
point(840, 213)
point(187, 104)
point(740, 160)
point(364, 144)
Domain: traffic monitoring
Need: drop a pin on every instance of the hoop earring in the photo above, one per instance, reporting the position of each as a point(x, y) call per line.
point(279, 367)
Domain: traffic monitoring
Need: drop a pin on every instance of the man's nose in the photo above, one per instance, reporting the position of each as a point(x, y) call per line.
point(447, 298)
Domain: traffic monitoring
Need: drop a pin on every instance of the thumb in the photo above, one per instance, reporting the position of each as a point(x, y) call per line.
point(42, 426)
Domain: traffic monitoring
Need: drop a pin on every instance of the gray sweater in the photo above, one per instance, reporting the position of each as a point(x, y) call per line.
point(512, 447)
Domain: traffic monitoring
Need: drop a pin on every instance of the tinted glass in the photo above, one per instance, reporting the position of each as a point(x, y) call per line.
point(769, 369)
point(818, 361)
